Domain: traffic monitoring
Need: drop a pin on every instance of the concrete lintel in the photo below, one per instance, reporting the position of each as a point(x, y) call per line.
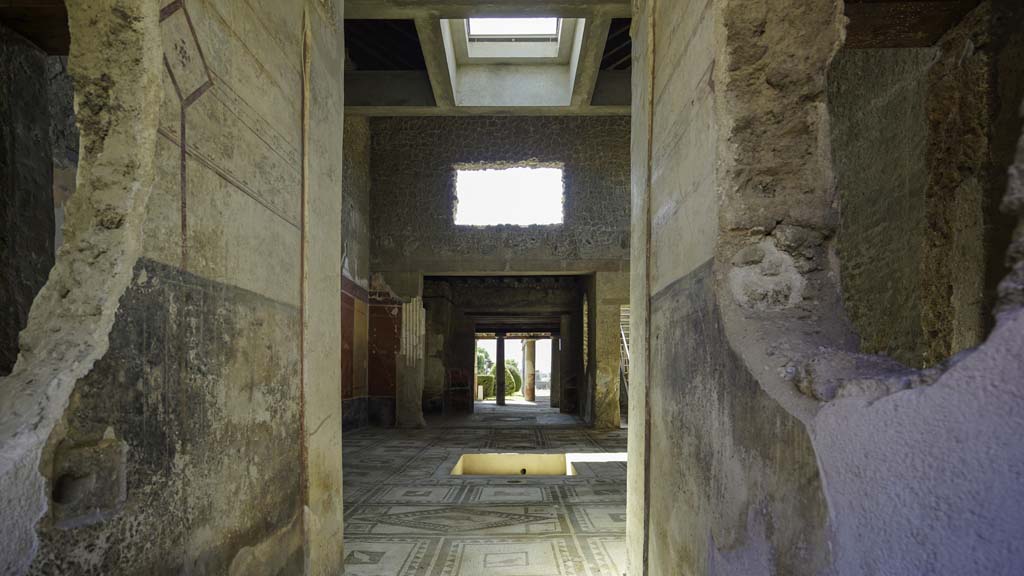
point(487, 111)
point(393, 9)
point(432, 43)
point(595, 36)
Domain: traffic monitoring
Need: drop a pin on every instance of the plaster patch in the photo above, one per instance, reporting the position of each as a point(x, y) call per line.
point(766, 278)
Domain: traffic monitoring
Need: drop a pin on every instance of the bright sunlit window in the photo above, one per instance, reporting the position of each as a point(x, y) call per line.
point(513, 27)
point(517, 196)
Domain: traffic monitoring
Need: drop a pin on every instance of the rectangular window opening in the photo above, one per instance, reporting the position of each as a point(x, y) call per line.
point(519, 196)
point(513, 28)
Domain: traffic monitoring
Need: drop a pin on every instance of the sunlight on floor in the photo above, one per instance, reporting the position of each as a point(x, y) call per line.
point(405, 515)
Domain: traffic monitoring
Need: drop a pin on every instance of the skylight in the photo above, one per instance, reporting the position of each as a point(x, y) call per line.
point(513, 27)
point(517, 196)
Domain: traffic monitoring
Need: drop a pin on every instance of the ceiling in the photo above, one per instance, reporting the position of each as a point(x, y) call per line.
point(397, 60)
point(379, 45)
point(601, 74)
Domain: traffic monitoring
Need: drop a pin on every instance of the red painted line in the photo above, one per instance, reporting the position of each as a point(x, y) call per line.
point(304, 120)
point(171, 8)
point(183, 146)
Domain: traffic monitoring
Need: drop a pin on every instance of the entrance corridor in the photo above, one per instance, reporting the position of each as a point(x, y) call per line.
point(405, 515)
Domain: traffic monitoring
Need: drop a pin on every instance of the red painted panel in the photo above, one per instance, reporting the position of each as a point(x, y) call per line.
point(385, 339)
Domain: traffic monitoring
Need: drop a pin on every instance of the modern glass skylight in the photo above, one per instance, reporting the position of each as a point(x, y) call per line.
point(512, 27)
point(517, 196)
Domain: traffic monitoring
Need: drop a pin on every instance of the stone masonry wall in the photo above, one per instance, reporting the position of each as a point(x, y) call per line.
point(412, 205)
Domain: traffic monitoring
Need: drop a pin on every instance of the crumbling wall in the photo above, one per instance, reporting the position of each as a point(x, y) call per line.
point(728, 481)
point(218, 403)
point(920, 139)
point(213, 391)
point(939, 455)
point(63, 139)
point(117, 94)
point(355, 270)
point(413, 200)
point(26, 206)
point(770, 443)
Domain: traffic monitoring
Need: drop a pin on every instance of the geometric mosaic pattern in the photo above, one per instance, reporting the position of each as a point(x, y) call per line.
point(406, 516)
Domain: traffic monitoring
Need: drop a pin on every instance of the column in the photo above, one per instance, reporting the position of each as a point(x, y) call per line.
point(612, 290)
point(499, 371)
point(568, 369)
point(556, 372)
point(410, 365)
point(530, 371)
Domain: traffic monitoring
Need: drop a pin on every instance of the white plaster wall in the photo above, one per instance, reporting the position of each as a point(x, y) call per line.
point(929, 481)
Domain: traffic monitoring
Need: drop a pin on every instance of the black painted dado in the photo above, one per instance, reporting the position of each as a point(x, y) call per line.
point(353, 413)
point(202, 382)
point(722, 449)
point(381, 411)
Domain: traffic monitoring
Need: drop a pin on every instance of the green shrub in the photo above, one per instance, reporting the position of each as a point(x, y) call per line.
point(513, 383)
point(517, 378)
point(487, 383)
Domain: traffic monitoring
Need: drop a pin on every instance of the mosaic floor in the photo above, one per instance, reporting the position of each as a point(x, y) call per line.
point(406, 516)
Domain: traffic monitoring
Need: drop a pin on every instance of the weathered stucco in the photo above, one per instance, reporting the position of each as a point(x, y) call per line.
point(723, 478)
point(63, 138)
point(927, 480)
point(877, 102)
point(410, 365)
point(769, 443)
point(919, 142)
point(322, 147)
point(606, 292)
point(116, 68)
point(172, 389)
point(210, 431)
